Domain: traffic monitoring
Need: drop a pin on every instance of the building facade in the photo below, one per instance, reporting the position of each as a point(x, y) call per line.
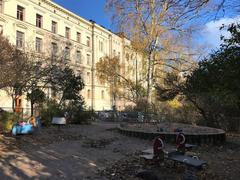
point(47, 28)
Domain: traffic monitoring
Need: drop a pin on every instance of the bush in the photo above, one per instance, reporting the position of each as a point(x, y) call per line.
point(177, 111)
point(82, 117)
point(74, 109)
point(7, 120)
point(50, 109)
point(76, 113)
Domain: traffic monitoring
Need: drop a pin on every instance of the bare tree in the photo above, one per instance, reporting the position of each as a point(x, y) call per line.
point(148, 22)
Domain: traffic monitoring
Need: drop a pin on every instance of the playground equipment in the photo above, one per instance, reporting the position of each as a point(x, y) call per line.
point(157, 154)
point(26, 127)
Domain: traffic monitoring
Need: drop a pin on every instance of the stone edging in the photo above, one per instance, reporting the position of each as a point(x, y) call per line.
point(199, 139)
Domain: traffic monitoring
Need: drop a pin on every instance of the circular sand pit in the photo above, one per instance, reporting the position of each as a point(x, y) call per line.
point(194, 134)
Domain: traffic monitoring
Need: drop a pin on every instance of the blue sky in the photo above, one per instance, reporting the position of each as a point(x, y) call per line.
point(88, 9)
point(208, 35)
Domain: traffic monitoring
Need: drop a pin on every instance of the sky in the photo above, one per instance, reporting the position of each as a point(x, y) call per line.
point(88, 9)
point(209, 34)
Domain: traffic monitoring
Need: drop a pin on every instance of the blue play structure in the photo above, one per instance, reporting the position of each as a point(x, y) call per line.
point(25, 128)
point(22, 129)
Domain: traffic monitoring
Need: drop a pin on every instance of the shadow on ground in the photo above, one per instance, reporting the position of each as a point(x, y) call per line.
point(74, 152)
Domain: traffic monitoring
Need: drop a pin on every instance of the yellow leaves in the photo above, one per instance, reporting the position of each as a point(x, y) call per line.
point(174, 104)
point(108, 68)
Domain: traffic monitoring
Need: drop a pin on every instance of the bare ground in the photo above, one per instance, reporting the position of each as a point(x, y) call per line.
point(98, 151)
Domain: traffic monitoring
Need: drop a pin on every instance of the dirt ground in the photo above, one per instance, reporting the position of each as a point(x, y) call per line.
point(98, 151)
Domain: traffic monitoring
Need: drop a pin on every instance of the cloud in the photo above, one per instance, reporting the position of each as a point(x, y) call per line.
point(211, 33)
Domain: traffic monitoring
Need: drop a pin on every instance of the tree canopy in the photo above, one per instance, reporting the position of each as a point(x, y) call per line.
point(214, 87)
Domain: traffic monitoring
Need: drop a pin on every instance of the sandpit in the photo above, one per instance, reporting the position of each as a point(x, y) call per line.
point(194, 134)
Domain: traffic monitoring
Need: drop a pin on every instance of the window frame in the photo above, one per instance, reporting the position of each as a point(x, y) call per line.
point(67, 32)
point(101, 46)
point(39, 20)
point(20, 39)
point(38, 45)
point(54, 27)
point(89, 94)
point(88, 77)
point(53, 52)
point(67, 53)
point(102, 94)
point(78, 57)
point(89, 59)
point(78, 37)
point(88, 41)
point(1, 6)
point(20, 13)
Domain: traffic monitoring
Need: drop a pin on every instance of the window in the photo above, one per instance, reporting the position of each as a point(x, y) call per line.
point(88, 93)
point(88, 77)
point(101, 46)
point(20, 13)
point(67, 32)
point(78, 37)
point(119, 54)
point(54, 27)
point(78, 58)
point(1, 6)
point(88, 41)
point(67, 53)
point(88, 59)
point(1, 29)
point(102, 94)
point(20, 39)
point(54, 49)
point(114, 52)
point(39, 20)
point(127, 57)
point(38, 45)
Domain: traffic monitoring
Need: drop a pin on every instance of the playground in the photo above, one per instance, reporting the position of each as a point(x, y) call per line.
point(99, 151)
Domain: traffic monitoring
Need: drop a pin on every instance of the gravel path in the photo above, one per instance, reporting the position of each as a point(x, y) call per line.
point(73, 152)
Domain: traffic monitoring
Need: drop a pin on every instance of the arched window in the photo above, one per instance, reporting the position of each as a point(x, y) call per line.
point(1, 6)
point(102, 94)
point(88, 93)
point(88, 77)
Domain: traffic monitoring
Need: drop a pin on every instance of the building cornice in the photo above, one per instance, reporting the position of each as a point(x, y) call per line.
point(23, 2)
point(77, 17)
point(3, 19)
point(21, 25)
point(64, 10)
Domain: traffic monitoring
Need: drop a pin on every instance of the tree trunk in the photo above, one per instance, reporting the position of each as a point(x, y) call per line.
point(136, 80)
point(32, 103)
point(13, 102)
point(149, 78)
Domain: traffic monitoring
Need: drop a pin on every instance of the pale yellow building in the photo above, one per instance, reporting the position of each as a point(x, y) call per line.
point(46, 27)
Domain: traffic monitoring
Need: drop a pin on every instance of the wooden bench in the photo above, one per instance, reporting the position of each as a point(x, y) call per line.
point(59, 121)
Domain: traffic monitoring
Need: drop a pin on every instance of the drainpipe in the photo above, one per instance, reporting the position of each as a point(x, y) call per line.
point(93, 67)
point(111, 56)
